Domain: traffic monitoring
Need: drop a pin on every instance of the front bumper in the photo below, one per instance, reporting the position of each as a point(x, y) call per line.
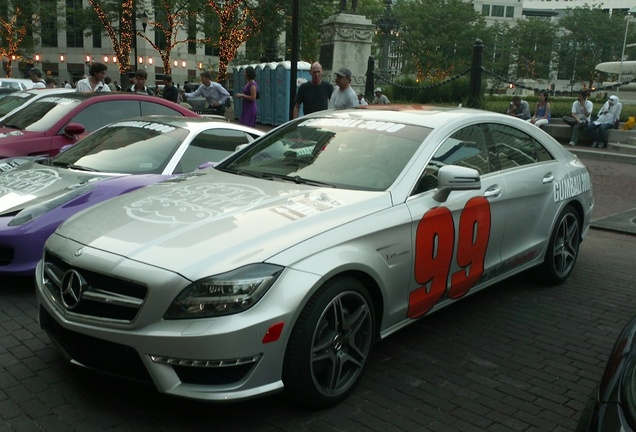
point(216, 359)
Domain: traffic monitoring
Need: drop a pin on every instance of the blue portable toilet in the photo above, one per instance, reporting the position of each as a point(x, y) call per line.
point(281, 86)
point(239, 82)
point(260, 72)
point(266, 87)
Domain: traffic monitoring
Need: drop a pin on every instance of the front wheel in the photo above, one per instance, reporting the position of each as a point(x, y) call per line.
point(330, 344)
point(563, 248)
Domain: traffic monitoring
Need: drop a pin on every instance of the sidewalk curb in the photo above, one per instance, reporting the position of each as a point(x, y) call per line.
point(603, 155)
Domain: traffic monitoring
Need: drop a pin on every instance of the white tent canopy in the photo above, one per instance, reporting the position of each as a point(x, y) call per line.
point(629, 67)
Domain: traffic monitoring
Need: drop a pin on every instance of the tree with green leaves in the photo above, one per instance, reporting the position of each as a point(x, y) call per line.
point(439, 36)
point(172, 21)
point(580, 49)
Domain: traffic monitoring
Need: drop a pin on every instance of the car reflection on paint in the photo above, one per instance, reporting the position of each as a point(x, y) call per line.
point(38, 194)
point(279, 269)
point(612, 405)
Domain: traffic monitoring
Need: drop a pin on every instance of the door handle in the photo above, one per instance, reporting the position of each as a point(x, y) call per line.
point(492, 191)
point(549, 178)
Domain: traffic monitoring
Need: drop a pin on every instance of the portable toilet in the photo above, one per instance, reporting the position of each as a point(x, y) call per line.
point(260, 78)
point(304, 75)
point(239, 82)
point(266, 87)
point(282, 82)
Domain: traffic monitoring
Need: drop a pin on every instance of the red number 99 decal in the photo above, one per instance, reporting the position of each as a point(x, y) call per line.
point(434, 243)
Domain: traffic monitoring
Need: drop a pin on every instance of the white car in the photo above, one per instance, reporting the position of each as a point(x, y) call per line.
point(17, 83)
point(281, 267)
point(18, 100)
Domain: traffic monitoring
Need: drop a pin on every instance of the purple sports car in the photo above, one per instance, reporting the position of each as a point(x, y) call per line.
point(37, 195)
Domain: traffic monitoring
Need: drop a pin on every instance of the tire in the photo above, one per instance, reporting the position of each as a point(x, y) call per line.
point(563, 249)
point(330, 344)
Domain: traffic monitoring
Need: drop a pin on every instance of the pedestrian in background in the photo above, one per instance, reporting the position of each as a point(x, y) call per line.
point(542, 112)
point(95, 81)
point(214, 93)
point(362, 100)
point(608, 117)
point(109, 82)
point(170, 91)
point(343, 96)
point(36, 76)
point(581, 114)
point(380, 99)
point(140, 84)
point(249, 96)
point(519, 108)
point(313, 95)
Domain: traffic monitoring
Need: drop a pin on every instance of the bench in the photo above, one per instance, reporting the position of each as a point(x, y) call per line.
point(625, 140)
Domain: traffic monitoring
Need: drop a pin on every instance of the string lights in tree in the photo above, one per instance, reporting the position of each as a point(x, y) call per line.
point(236, 24)
point(122, 39)
point(12, 32)
point(176, 17)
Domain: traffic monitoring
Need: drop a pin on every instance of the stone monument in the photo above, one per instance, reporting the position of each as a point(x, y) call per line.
point(345, 41)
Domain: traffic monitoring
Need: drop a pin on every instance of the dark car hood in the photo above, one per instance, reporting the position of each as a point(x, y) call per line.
point(32, 183)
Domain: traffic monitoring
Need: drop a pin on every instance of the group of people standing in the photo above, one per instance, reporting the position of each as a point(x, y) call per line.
point(579, 119)
point(318, 95)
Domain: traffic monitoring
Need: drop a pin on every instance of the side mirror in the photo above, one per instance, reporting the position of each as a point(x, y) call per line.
point(455, 178)
point(73, 130)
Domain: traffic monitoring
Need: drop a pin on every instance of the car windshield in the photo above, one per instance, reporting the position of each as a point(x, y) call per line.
point(128, 147)
point(40, 115)
point(12, 101)
point(343, 153)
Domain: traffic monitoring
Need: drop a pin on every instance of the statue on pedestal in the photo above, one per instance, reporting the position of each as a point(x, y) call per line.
point(343, 5)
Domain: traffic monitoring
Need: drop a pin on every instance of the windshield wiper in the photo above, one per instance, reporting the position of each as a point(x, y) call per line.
point(10, 126)
point(241, 172)
point(299, 180)
point(73, 166)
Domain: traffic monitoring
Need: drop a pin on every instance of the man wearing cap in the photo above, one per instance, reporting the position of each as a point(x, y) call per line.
point(343, 96)
point(380, 99)
point(608, 115)
point(313, 95)
point(36, 76)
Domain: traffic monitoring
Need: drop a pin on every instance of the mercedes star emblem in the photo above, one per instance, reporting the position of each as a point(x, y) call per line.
point(73, 285)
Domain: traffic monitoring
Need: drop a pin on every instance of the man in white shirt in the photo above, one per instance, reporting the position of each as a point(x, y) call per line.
point(380, 99)
point(343, 96)
point(36, 76)
point(581, 114)
point(214, 93)
point(94, 82)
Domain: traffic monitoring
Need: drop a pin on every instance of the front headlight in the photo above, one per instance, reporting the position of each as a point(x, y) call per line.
point(224, 294)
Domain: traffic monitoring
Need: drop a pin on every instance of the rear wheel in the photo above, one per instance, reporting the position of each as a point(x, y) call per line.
point(563, 248)
point(330, 344)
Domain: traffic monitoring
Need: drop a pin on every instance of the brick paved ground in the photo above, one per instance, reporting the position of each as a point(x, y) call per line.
point(515, 357)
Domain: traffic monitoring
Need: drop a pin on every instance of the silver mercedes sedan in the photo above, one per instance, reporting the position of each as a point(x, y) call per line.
point(278, 269)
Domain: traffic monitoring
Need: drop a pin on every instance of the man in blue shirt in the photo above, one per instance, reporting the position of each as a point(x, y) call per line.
point(214, 93)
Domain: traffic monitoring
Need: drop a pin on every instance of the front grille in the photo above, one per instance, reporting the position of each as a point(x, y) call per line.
point(95, 353)
point(103, 296)
point(6, 255)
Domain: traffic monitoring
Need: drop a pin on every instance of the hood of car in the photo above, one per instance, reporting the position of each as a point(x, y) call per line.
point(203, 223)
point(10, 134)
point(32, 183)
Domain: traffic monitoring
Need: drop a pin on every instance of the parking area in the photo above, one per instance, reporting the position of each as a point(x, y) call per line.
point(516, 357)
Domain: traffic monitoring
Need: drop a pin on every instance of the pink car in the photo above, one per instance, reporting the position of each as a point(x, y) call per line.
point(55, 121)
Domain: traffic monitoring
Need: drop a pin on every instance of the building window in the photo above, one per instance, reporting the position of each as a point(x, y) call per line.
point(510, 11)
point(192, 35)
point(485, 10)
point(74, 32)
point(497, 11)
point(48, 22)
point(161, 18)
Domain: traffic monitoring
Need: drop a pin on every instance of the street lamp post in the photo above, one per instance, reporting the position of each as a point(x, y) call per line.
point(630, 14)
point(144, 23)
point(387, 26)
